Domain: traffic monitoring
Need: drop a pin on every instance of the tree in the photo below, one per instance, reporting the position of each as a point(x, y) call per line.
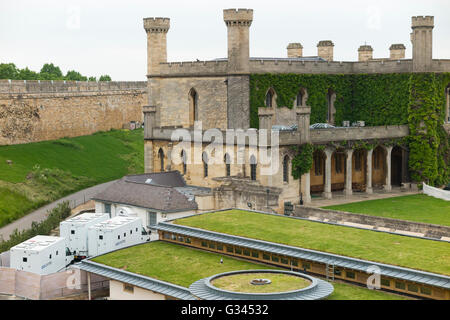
point(73, 75)
point(8, 71)
point(92, 79)
point(105, 78)
point(27, 74)
point(51, 72)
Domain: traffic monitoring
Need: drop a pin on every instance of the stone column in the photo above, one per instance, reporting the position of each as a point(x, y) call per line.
point(369, 189)
point(303, 118)
point(307, 190)
point(387, 185)
point(265, 116)
point(348, 172)
point(327, 187)
point(149, 125)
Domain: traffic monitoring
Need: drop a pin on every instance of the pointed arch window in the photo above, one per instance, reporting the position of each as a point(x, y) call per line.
point(301, 97)
point(193, 106)
point(252, 167)
point(286, 168)
point(227, 161)
point(161, 159)
point(184, 161)
point(270, 96)
point(205, 164)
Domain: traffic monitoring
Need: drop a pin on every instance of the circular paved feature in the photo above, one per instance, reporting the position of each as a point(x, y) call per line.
point(205, 289)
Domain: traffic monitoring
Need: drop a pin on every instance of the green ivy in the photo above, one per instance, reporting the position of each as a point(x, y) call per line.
point(414, 99)
point(303, 160)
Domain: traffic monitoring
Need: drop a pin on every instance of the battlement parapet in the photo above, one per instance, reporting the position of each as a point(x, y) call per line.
point(194, 67)
point(156, 25)
point(325, 43)
point(238, 17)
point(41, 86)
point(422, 21)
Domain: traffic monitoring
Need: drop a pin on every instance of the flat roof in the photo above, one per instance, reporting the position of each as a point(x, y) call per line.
point(84, 218)
point(38, 243)
point(114, 223)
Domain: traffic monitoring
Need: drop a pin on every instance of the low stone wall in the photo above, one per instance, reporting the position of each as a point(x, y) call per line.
point(374, 223)
point(36, 287)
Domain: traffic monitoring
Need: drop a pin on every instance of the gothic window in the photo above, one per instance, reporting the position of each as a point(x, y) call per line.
point(205, 164)
point(301, 98)
point(227, 161)
point(184, 161)
point(286, 168)
point(161, 158)
point(270, 97)
point(193, 106)
point(252, 168)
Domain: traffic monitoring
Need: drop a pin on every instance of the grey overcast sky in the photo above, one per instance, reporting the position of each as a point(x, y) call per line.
point(98, 37)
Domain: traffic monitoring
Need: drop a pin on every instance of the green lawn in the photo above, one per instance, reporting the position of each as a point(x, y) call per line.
point(182, 266)
point(419, 208)
point(45, 171)
point(429, 255)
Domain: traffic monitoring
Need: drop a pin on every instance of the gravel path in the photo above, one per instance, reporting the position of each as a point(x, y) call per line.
point(38, 215)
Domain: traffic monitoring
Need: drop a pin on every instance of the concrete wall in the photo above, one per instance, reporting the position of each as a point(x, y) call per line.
point(33, 111)
point(380, 223)
point(117, 292)
point(36, 287)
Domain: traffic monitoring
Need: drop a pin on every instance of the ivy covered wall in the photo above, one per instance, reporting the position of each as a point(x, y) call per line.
point(415, 99)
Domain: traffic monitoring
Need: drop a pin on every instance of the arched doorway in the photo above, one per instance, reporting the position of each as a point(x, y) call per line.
point(396, 166)
point(317, 173)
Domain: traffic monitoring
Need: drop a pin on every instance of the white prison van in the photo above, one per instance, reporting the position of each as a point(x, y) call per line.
point(75, 231)
point(41, 254)
point(115, 233)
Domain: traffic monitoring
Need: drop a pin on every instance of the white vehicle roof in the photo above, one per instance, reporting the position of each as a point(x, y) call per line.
point(114, 223)
point(84, 218)
point(37, 243)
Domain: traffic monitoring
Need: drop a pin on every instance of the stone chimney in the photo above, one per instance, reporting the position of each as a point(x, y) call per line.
point(365, 53)
point(295, 50)
point(325, 49)
point(397, 51)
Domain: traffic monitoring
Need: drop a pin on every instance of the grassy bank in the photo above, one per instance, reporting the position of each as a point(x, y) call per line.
point(382, 247)
point(183, 266)
point(45, 171)
point(418, 208)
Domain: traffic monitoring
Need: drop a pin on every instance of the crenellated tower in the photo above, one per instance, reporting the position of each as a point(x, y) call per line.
point(422, 41)
point(238, 22)
point(156, 29)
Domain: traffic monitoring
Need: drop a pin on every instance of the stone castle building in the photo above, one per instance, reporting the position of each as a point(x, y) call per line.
point(217, 93)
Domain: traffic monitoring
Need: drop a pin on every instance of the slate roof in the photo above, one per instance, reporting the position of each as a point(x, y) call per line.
point(160, 194)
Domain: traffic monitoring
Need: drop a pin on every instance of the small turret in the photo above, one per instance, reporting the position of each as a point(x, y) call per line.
point(422, 41)
point(156, 29)
point(295, 50)
point(365, 53)
point(325, 49)
point(397, 51)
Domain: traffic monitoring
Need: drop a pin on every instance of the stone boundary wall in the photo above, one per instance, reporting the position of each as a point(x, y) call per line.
point(32, 111)
point(36, 287)
point(283, 65)
point(410, 228)
point(40, 86)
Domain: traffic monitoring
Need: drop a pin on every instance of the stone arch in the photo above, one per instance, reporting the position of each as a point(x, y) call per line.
point(161, 159)
point(301, 98)
point(378, 166)
point(331, 110)
point(270, 100)
point(317, 173)
point(193, 106)
point(397, 166)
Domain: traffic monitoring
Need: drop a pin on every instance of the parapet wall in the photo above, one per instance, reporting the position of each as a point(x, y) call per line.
point(40, 86)
point(32, 111)
point(219, 67)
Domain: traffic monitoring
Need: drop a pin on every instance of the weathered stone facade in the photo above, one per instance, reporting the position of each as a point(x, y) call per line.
point(217, 93)
point(34, 111)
